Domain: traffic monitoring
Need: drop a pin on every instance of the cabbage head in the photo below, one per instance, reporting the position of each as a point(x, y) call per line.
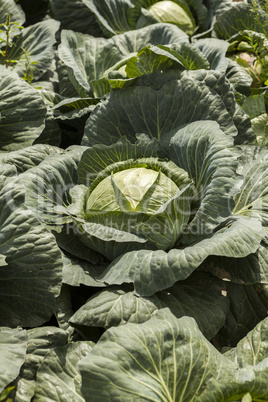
point(147, 203)
point(168, 11)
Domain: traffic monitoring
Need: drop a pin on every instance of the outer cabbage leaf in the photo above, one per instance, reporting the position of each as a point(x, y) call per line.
point(107, 240)
point(34, 45)
point(58, 377)
point(214, 80)
point(74, 108)
point(247, 384)
point(30, 259)
point(151, 271)
point(150, 59)
point(201, 296)
point(47, 185)
point(203, 12)
point(91, 165)
point(40, 342)
point(169, 359)
point(115, 306)
point(64, 310)
point(50, 96)
point(66, 88)
point(76, 272)
point(156, 112)
point(253, 199)
point(160, 58)
point(244, 271)
point(69, 241)
point(164, 358)
point(238, 77)
point(209, 157)
point(23, 113)
point(75, 15)
point(112, 15)
point(89, 58)
point(248, 306)
point(250, 382)
point(221, 5)
point(13, 344)
point(214, 50)
point(29, 157)
point(218, 83)
point(253, 348)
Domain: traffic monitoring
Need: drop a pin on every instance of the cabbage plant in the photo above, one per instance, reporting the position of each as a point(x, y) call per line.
point(154, 212)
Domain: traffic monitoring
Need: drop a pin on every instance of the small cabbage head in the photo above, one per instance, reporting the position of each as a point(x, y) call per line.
point(170, 12)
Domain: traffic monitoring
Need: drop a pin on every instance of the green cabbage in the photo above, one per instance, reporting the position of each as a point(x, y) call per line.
point(171, 12)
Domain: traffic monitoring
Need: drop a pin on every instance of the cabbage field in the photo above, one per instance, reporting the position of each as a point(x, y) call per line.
point(133, 200)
